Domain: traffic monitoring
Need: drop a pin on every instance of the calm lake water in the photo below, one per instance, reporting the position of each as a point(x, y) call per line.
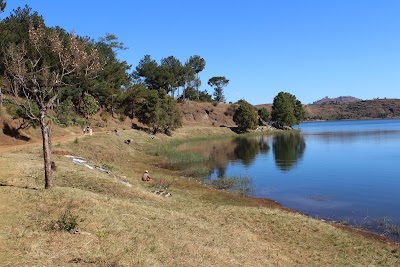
point(342, 170)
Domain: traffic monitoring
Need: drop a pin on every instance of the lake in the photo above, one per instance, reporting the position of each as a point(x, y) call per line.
point(346, 171)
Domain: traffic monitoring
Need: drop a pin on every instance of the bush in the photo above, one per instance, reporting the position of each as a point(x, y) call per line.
point(80, 121)
point(66, 113)
point(88, 105)
point(264, 114)
point(21, 111)
point(55, 120)
point(67, 221)
point(245, 116)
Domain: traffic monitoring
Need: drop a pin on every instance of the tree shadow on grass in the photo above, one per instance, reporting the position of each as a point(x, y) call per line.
point(14, 132)
point(236, 130)
point(140, 128)
point(16, 186)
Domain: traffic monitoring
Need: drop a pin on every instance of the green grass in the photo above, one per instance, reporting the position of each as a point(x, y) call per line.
point(174, 156)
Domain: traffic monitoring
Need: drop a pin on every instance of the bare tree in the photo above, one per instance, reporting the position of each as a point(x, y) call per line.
point(36, 70)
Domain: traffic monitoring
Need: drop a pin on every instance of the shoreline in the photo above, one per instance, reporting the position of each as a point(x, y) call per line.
point(355, 230)
point(271, 203)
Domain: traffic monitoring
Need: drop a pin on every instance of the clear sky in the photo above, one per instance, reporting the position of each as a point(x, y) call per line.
point(309, 48)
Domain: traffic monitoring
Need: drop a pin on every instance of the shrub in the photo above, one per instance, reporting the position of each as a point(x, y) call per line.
point(264, 114)
point(245, 116)
point(80, 121)
point(67, 221)
point(55, 120)
point(88, 105)
point(107, 166)
point(22, 111)
point(66, 113)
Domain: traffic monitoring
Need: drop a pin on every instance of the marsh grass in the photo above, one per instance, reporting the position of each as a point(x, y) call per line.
point(241, 184)
point(224, 183)
point(197, 171)
point(385, 226)
point(169, 150)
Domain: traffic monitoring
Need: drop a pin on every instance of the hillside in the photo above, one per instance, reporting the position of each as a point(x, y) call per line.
point(345, 108)
point(206, 114)
point(367, 109)
point(194, 115)
point(337, 100)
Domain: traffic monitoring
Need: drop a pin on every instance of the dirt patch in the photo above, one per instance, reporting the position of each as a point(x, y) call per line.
point(206, 114)
point(17, 144)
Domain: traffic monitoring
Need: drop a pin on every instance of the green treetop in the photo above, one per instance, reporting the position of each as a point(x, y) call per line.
point(287, 110)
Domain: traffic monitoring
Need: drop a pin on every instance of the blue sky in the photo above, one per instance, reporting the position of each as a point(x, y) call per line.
point(309, 48)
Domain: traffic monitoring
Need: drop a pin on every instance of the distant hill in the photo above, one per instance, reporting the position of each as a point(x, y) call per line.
point(362, 109)
point(346, 108)
point(337, 100)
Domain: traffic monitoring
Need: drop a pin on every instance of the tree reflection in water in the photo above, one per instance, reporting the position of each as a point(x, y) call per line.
point(288, 149)
point(248, 148)
point(245, 150)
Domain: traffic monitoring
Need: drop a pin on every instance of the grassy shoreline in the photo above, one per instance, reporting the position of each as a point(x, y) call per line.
point(130, 226)
point(169, 151)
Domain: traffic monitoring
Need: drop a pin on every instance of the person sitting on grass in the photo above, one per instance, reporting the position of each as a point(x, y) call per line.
point(146, 176)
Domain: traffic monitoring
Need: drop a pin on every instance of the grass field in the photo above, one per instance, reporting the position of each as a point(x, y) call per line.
point(90, 218)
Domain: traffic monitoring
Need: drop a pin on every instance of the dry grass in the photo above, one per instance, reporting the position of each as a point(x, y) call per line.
point(130, 226)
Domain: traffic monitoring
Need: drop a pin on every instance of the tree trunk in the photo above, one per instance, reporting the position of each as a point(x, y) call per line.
point(197, 87)
point(1, 99)
point(46, 151)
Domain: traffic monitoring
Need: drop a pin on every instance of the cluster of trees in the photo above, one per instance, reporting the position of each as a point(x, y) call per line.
point(26, 41)
point(286, 112)
point(48, 68)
